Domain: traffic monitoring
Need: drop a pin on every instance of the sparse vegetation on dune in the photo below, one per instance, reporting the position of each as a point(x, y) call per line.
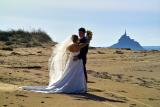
point(22, 38)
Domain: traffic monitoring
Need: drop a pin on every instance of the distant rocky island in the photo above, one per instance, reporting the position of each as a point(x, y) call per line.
point(126, 42)
point(21, 38)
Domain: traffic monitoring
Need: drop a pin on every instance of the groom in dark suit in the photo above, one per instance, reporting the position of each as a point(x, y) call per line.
point(83, 51)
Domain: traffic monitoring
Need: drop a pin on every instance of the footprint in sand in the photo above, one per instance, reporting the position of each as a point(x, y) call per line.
point(42, 102)
point(132, 105)
point(95, 90)
point(47, 97)
point(21, 95)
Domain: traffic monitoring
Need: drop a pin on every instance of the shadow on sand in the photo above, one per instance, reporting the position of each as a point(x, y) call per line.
point(90, 96)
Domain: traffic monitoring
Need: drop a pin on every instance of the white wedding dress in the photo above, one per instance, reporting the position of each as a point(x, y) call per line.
point(66, 75)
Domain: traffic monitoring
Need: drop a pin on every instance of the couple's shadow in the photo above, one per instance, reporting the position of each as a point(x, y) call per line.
point(88, 96)
point(93, 97)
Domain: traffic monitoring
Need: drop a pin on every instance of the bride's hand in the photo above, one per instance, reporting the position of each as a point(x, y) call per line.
point(89, 35)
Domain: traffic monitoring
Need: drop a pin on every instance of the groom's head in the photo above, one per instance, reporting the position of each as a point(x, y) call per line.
point(82, 32)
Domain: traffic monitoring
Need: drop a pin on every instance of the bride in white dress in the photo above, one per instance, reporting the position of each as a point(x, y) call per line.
point(65, 75)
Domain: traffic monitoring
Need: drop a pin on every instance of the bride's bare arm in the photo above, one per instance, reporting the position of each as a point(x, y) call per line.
point(76, 47)
point(73, 48)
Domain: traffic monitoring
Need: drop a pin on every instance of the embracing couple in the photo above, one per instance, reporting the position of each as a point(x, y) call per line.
point(67, 66)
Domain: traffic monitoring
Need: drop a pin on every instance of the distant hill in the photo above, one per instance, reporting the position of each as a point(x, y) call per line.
point(21, 38)
point(126, 42)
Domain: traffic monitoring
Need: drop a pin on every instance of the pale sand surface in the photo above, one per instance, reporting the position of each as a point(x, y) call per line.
point(131, 79)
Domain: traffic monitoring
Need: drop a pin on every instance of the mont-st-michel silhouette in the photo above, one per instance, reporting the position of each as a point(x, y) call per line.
point(126, 42)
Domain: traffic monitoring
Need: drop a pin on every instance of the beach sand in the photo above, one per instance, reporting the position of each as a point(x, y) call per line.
point(117, 78)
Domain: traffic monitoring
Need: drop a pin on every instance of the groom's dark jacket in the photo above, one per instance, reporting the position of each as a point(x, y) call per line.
point(83, 51)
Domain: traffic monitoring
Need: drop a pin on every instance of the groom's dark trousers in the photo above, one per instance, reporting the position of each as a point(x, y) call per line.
point(83, 55)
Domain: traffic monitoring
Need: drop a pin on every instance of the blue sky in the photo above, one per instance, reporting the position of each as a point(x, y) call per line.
point(108, 19)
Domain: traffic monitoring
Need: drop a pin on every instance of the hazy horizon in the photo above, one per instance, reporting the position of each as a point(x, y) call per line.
point(107, 19)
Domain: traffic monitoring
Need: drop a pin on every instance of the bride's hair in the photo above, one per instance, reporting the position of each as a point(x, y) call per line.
point(74, 38)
